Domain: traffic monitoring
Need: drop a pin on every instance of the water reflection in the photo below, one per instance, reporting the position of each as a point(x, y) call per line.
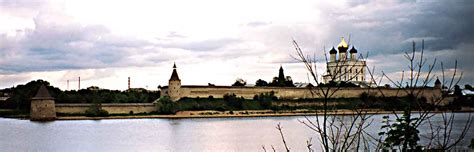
point(203, 134)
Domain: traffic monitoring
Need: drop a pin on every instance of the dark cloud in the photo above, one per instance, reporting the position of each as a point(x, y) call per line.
point(445, 24)
point(51, 46)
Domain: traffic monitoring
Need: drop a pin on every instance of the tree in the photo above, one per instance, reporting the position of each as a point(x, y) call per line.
point(233, 101)
point(261, 83)
point(22, 94)
point(274, 82)
point(334, 133)
point(457, 91)
point(239, 82)
point(265, 99)
point(166, 106)
point(289, 82)
point(95, 109)
point(402, 133)
point(468, 87)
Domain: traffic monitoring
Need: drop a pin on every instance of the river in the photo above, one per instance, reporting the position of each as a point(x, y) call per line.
point(199, 134)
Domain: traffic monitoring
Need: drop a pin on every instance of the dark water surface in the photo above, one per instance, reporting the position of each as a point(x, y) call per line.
point(201, 134)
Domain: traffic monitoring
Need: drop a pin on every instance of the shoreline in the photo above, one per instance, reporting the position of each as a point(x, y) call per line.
point(193, 115)
point(236, 114)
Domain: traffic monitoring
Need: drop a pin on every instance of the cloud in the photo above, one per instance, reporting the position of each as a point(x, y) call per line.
point(258, 23)
point(202, 45)
point(46, 37)
point(57, 43)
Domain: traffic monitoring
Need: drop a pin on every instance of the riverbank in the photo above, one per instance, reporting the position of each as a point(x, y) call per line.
point(228, 114)
point(220, 114)
point(237, 114)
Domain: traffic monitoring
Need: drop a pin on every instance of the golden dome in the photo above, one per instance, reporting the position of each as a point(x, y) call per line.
point(343, 43)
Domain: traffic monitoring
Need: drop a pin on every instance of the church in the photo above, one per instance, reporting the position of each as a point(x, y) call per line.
point(343, 68)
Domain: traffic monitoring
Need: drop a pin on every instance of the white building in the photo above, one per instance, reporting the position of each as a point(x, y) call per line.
point(345, 68)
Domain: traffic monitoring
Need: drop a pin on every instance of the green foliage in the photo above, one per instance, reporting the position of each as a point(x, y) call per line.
point(281, 82)
point(9, 112)
point(166, 106)
point(457, 91)
point(22, 94)
point(201, 104)
point(393, 103)
point(265, 99)
point(401, 134)
point(239, 83)
point(95, 110)
point(274, 82)
point(233, 101)
point(289, 82)
point(460, 102)
point(468, 87)
point(261, 83)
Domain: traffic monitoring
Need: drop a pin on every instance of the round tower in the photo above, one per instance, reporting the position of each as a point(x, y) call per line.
point(174, 85)
point(342, 47)
point(42, 106)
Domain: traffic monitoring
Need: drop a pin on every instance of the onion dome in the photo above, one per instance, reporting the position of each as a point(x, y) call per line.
point(353, 50)
point(343, 43)
point(342, 47)
point(332, 51)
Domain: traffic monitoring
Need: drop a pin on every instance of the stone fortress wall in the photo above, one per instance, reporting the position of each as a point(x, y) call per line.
point(246, 92)
point(112, 108)
point(297, 93)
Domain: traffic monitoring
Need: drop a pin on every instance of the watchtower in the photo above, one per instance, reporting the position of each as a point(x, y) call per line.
point(174, 85)
point(42, 106)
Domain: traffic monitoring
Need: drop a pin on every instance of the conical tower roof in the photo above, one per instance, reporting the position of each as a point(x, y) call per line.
point(42, 93)
point(174, 75)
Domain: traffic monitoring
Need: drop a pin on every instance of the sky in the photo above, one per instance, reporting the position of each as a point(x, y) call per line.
point(106, 41)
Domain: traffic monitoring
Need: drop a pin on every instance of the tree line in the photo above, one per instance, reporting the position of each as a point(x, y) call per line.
point(20, 96)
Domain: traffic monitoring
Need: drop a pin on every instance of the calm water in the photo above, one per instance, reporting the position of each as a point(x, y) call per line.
point(216, 134)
